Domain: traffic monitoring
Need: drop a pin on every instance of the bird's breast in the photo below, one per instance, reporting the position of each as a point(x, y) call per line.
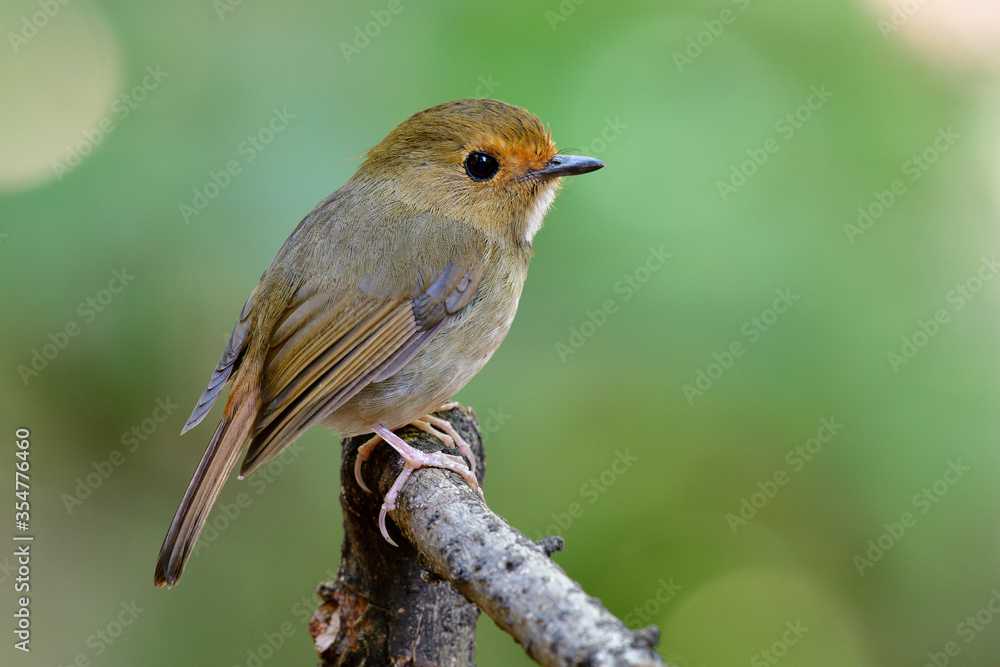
point(465, 342)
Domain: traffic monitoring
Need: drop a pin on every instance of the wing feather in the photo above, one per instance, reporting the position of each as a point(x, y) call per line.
point(230, 361)
point(334, 339)
point(330, 380)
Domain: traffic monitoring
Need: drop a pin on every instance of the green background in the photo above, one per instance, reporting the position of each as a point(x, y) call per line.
point(656, 540)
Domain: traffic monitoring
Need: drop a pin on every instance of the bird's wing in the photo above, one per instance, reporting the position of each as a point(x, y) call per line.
point(332, 342)
point(229, 362)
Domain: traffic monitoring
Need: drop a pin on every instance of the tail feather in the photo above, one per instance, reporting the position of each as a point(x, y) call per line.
point(221, 456)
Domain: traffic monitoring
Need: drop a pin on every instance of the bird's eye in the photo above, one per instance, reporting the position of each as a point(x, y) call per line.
point(481, 166)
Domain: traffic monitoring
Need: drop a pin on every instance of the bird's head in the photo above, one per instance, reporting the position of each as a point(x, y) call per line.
point(483, 161)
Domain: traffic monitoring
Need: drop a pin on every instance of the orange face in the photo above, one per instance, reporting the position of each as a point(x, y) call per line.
point(473, 160)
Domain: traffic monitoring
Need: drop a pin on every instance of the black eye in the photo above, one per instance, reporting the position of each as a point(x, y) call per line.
point(481, 166)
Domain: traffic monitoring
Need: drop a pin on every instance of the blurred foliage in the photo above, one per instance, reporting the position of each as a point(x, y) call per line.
point(591, 431)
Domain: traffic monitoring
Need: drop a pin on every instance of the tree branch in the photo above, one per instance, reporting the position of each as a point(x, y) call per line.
point(385, 607)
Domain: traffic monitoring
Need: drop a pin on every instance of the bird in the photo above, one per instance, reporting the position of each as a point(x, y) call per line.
point(386, 299)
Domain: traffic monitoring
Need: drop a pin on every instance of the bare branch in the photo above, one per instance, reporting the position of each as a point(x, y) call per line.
point(458, 539)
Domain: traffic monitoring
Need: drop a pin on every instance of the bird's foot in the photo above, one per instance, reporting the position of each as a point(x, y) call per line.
point(450, 437)
point(414, 459)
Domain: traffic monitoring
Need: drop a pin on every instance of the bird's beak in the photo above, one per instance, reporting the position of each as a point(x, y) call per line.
point(566, 165)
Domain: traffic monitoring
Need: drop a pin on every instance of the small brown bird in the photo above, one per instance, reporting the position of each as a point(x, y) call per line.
point(384, 302)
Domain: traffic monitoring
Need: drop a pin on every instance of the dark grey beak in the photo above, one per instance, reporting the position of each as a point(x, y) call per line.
point(567, 165)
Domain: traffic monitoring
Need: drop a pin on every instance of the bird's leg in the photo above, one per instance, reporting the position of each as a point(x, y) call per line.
point(414, 459)
point(364, 451)
point(430, 425)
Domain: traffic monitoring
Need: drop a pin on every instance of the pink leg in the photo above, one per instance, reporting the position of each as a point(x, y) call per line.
point(414, 459)
point(430, 425)
point(364, 451)
point(446, 426)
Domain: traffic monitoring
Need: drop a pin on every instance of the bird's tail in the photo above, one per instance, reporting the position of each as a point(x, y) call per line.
point(220, 458)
